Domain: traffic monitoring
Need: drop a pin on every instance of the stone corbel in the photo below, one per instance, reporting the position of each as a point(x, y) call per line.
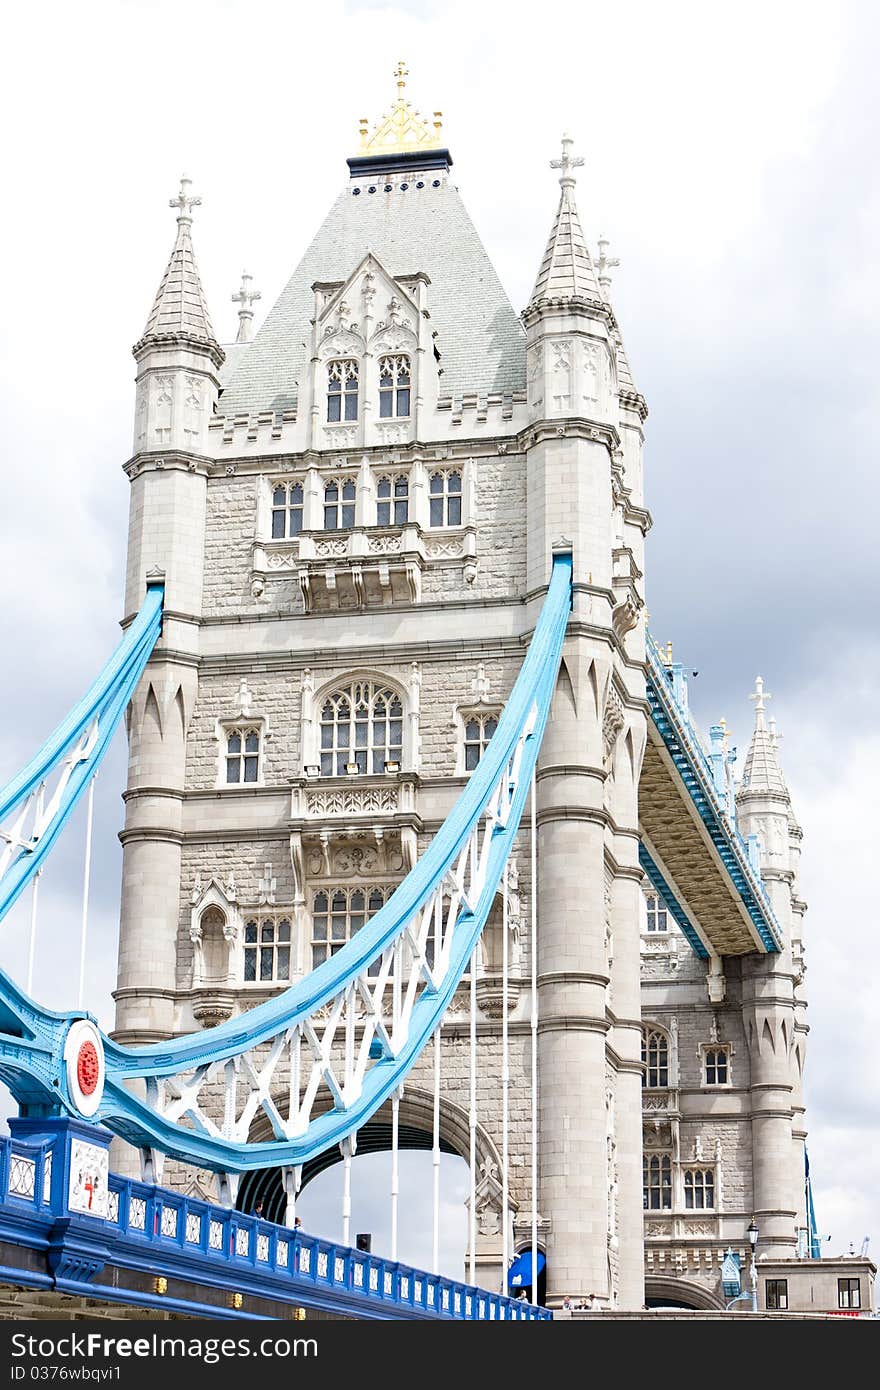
point(297, 864)
point(409, 847)
point(325, 851)
point(305, 588)
point(716, 984)
point(357, 579)
point(414, 581)
point(625, 614)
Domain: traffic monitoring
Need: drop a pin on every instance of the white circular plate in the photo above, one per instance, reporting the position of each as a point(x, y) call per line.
point(84, 1059)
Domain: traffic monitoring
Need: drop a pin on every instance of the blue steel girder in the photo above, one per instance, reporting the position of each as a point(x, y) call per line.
point(725, 855)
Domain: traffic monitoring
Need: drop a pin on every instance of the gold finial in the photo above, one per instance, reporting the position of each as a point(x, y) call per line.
point(404, 130)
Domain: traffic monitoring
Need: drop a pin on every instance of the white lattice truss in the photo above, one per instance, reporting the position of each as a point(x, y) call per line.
point(368, 1017)
point(40, 808)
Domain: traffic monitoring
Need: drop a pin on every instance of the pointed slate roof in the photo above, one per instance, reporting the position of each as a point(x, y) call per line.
point(566, 270)
point(762, 772)
point(180, 305)
point(419, 224)
point(180, 308)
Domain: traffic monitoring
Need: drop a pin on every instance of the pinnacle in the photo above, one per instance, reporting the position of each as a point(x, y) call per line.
point(566, 270)
point(180, 308)
point(761, 772)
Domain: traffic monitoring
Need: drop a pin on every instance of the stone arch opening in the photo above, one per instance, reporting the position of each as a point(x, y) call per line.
point(265, 1186)
point(214, 948)
point(679, 1293)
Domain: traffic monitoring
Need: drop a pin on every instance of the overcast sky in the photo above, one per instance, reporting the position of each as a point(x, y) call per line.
point(730, 156)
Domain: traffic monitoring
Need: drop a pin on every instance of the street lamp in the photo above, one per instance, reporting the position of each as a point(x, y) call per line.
point(752, 1233)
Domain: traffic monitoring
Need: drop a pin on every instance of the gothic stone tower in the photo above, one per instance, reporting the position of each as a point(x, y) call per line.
point(356, 513)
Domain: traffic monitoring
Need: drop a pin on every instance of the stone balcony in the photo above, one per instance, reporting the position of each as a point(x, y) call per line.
point(362, 823)
point(364, 566)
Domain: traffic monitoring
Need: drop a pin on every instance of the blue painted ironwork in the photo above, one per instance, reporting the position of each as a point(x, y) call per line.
point(815, 1242)
point(72, 754)
point(203, 1245)
point(697, 775)
point(673, 906)
point(32, 1041)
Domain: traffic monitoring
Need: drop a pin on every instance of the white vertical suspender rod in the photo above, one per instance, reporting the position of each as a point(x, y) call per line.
point(472, 1126)
point(32, 940)
point(395, 1168)
point(347, 1147)
point(505, 1085)
point(87, 868)
point(435, 1243)
point(533, 836)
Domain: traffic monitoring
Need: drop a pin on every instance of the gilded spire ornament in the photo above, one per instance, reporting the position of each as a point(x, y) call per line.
point(404, 130)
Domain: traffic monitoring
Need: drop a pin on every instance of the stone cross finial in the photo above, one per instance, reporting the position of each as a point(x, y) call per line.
point(184, 201)
point(245, 298)
point(605, 263)
point(759, 696)
point(566, 163)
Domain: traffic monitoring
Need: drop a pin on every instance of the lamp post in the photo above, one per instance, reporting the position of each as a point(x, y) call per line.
point(752, 1233)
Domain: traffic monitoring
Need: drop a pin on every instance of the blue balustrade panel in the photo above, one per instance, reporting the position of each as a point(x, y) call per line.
point(155, 1229)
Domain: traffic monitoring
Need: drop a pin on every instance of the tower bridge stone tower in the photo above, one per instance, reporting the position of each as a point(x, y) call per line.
point(356, 511)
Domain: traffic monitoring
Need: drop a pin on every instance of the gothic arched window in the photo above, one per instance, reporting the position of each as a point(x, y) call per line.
point(337, 913)
point(395, 382)
point(339, 500)
point(657, 1182)
point(342, 390)
point(699, 1188)
point(392, 506)
point(478, 730)
point(445, 496)
point(267, 948)
point(287, 510)
point(717, 1066)
point(656, 911)
point(242, 754)
point(361, 729)
point(655, 1060)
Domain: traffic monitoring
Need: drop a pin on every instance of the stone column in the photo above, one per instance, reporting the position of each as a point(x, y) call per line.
point(626, 1037)
point(572, 979)
point(768, 1020)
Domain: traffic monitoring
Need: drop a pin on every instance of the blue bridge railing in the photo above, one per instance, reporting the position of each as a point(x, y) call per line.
point(156, 1230)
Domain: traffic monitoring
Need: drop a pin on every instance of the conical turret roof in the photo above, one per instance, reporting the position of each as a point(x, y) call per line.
point(566, 270)
point(180, 309)
point(761, 772)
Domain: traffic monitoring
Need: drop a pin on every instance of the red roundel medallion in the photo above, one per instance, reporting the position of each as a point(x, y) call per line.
point(87, 1068)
